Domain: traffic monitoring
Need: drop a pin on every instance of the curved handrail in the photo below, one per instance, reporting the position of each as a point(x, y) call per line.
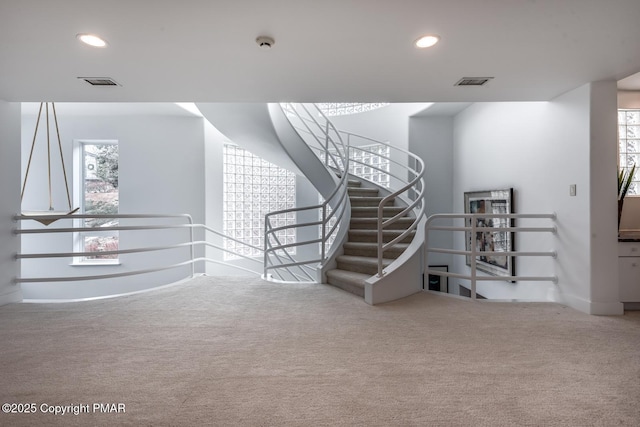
point(413, 185)
point(191, 244)
point(310, 121)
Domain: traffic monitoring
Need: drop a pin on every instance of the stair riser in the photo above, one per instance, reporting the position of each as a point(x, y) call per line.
point(362, 192)
point(345, 286)
point(358, 268)
point(354, 236)
point(373, 212)
point(362, 201)
point(371, 225)
point(372, 252)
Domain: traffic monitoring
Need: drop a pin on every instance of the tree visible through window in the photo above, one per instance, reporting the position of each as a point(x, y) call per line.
point(98, 195)
point(629, 145)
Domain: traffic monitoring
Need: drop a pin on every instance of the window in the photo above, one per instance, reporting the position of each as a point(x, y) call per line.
point(376, 155)
point(254, 187)
point(97, 193)
point(629, 145)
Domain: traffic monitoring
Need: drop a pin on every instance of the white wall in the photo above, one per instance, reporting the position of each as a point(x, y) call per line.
point(539, 149)
point(388, 124)
point(161, 168)
point(631, 212)
point(10, 196)
point(604, 207)
point(431, 138)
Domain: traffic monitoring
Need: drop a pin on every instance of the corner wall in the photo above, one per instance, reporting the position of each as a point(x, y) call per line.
point(603, 130)
point(431, 138)
point(10, 196)
point(539, 149)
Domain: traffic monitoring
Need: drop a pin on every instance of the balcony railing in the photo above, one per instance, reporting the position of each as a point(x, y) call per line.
point(473, 253)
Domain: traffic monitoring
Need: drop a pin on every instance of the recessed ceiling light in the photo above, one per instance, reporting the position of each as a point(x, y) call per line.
point(427, 41)
point(92, 40)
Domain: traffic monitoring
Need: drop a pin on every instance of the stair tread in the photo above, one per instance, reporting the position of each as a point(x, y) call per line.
point(373, 210)
point(371, 223)
point(364, 231)
point(356, 245)
point(364, 220)
point(370, 249)
point(348, 281)
point(362, 190)
point(367, 198)
point(398, 208)
point(358, 278)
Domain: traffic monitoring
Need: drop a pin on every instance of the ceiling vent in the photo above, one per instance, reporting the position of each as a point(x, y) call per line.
point(473, 81)
point(100, 81)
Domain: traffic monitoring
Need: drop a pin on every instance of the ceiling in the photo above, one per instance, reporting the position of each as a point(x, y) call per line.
point(329, 50)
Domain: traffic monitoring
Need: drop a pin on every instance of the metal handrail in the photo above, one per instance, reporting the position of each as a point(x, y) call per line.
point(473, 253)
point(312, 122)
point(190, 244)
point(415, 184)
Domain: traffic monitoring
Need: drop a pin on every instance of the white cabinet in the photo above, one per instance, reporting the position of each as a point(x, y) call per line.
point(629, 271)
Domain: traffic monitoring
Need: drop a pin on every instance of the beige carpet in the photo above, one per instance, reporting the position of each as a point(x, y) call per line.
point(228, 351)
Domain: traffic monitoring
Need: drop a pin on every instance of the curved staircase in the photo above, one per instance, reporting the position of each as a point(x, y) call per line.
point(371, 238)
point(360, 259)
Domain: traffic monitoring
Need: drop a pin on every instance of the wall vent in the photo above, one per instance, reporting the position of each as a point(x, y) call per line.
point(473, 81)
point(100, 81)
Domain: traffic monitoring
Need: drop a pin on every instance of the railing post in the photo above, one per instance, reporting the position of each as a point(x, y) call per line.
point(193, 262)
point(380, 239)
point(473, 257)
point(326, 145)
point(266, 237)
point(324, 231)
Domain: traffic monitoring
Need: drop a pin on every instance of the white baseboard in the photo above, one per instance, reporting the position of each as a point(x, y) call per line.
point(592, 307)
point(12, 296)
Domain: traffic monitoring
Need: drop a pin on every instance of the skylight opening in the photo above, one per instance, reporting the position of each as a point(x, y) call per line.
point(344, 108)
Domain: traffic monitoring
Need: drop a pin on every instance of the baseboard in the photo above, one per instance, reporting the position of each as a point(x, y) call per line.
point(11, 297)
point(593, 307)
point(607, 308)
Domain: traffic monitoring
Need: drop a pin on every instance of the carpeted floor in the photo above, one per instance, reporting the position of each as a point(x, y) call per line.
point(229, 351)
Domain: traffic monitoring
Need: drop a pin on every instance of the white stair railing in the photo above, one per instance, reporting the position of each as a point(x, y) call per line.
point(404, 173)
point(320, 134)
point(470, 228)
point(393, 167)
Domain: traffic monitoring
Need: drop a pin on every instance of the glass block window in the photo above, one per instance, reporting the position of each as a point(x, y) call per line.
point(373, 155)
point(332, 237)
point(344, 108)
point(629, 145)
point(254, 187)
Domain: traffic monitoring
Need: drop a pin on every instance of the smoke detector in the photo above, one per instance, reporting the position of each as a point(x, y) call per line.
point(265, 42)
